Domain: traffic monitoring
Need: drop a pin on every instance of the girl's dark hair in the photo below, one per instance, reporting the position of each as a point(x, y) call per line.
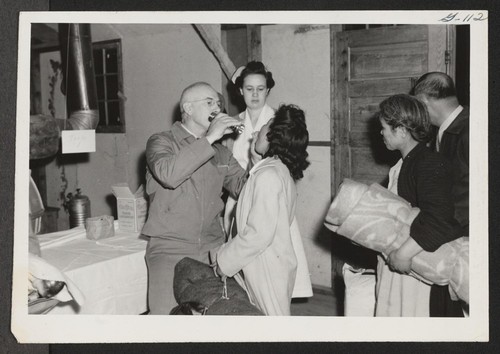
point(288, 139)
point(255, 67)
point(407, 111)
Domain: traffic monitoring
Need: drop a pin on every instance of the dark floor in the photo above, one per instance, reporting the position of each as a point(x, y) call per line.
point(323, 303)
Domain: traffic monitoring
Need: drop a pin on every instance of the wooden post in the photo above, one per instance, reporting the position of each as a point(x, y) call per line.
point(254, 42)
point(209, 35)
point(338, 148)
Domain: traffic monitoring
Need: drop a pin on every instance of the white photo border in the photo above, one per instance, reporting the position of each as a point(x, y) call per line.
point(120, 328)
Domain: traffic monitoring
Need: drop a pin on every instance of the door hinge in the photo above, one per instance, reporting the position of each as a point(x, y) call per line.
point(447, 57)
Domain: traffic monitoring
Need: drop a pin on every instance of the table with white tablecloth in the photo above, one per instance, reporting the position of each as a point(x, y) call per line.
point(111, 273)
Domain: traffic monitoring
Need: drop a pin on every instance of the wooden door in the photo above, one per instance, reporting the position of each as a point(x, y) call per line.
point(367, 67)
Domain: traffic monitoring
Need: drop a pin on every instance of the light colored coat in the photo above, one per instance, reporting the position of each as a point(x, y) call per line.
point(240, 147)
point(268, 247)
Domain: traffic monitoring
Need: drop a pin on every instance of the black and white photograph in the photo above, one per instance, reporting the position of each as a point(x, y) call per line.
point(290, 176)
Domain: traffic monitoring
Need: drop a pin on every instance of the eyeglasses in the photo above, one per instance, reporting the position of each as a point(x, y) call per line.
point(210, 102)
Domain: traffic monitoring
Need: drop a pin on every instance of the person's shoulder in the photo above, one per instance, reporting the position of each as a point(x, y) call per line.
point(427, 153)
point(460, 125)
point(269, 175)
point(432, 160)
point(271, 169)
point(161, 139)
point(465, 113)
point(164, 135)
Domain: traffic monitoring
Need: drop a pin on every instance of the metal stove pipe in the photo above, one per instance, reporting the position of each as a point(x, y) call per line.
point(79, 83)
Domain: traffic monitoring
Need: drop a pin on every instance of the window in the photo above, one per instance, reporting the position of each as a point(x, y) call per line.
point(362, 27)
point(108, 74)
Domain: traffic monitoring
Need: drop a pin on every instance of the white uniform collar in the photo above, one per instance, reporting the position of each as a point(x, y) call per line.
point(264, 116)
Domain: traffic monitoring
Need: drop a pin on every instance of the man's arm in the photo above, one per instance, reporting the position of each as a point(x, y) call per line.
point(435, 224)
point(461, 187)
point(171, 165)
point(236, 176)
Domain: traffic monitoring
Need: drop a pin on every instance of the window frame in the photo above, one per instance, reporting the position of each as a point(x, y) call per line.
point(103, 45)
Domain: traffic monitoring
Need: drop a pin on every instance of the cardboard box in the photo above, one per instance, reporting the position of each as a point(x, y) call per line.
point(132, 207)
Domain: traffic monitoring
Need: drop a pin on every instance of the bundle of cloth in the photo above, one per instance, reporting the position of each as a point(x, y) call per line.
point(376, 218)
point(197, 288)
point(47, 286)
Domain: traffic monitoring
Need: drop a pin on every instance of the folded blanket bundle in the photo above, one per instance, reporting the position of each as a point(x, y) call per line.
point(196, 282)
point(41, 269)
point(373, 217)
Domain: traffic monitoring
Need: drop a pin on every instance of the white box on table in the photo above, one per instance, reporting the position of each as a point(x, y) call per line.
point(132, 207)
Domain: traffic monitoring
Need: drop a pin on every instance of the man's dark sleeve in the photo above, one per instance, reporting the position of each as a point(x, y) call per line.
point(435, 224)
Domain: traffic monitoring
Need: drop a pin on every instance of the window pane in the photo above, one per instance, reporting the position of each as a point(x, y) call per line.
point(114, 113)
point(102, 114)
point(108, 71)
point(354, 27)
point(100, 87)
point(98, 61)
point(111, 61)
point(112, 87)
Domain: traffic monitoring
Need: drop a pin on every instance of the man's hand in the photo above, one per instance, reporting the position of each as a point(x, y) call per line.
point(220, 126)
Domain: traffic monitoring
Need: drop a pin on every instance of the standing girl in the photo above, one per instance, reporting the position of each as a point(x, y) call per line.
point(422, 177)
point(268, 247)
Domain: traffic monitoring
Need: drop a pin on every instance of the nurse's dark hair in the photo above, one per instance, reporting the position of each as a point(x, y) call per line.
point(408, 112)
point(288, 139)
point(255, 67)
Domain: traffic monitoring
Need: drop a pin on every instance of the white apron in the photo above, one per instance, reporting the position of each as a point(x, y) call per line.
point(399, 295)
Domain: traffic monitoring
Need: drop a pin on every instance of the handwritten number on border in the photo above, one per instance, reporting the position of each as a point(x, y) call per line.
point(469, 17)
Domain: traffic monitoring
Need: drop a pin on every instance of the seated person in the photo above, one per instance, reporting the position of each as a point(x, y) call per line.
point(186, 171)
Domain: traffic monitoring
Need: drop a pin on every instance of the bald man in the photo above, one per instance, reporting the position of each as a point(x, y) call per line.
point(437, 91)
point(186, 171)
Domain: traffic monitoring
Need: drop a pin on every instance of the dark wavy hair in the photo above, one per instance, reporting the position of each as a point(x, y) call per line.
point(288, 139)
point(255, 67)
point(407, 111)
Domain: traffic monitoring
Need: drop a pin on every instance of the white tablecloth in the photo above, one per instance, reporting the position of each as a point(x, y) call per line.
point(111, 273)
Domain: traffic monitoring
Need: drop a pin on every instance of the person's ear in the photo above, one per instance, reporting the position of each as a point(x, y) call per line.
point(402, 131)
point(241, 91)
point(423, 98)
point(187, 107)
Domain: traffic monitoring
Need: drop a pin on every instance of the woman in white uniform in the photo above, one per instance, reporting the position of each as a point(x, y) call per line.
point(268, 247)
point(254, 83)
